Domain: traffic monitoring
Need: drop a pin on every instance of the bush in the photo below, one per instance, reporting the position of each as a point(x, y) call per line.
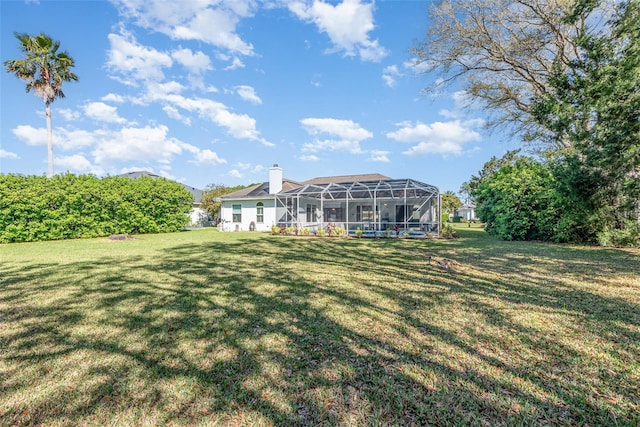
point(337, 232)
point(36, 208)
point(629, 236)
point(519, 201)
point(448, 232)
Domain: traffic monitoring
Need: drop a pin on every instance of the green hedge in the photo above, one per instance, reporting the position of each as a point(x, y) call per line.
point(35, 208)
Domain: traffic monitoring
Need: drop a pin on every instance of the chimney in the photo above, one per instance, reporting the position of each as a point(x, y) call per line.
point(275, 179)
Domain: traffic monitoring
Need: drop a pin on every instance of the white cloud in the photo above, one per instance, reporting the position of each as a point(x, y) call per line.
point(450, 114)
point(379, 156)
point(235, 61)
point(4, 154)
point(112, 97)
point(67, 114)
point(462, 99)
point(389, 75)
point(65, 139)
point(418, 66)
point(248, 93)
point(240, 126)
point(212, 22)
point(243, 166)
point(134, 61)
point(73, 139)
point(347, 24)
point(235, 64)
point(103, 113)
point(196, 63)
point(309, 158)
point(149, 144)
point(160, 91)
point(30, 135)
point(208, 157)
point(235, 173)
point(348, 145)
point(175, 114)
point(346, 135)
point(77, 163)
point(438, 137)
point(342, 128)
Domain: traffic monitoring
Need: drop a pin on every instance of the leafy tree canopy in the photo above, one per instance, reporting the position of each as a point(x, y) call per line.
point(45, 69)
point(450, 202)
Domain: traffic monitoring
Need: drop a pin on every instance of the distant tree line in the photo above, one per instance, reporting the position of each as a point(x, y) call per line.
point(36, 208)
point(564, 75)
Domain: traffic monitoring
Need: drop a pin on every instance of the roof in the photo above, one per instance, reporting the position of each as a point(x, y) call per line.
point(196, 192)
point(382, 188)
point(259, 191)
point(356, 186)
point(347, 178)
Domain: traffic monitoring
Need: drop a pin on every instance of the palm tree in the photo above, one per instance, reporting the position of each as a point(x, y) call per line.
point(45, 70)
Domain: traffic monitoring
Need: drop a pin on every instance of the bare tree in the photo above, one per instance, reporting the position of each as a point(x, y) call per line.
point(502, 53)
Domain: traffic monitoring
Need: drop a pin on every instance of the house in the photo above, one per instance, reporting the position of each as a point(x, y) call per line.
point(197, 215)
point(467, 212)
point(370, 202)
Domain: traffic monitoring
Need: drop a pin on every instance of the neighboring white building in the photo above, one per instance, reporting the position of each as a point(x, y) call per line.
point(467, 212)
point(369, 202)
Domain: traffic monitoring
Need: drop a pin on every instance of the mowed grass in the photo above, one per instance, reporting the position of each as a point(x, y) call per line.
point(208, 328)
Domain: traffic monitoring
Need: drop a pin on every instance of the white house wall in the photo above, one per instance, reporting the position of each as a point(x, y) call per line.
point(249, 215)
point(197, 216)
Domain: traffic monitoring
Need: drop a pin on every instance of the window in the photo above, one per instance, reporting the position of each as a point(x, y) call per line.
point(364, 213)
point(416, 213)
point(334, 214)
point(312, 213)
point(237, 213)
point(259, 212)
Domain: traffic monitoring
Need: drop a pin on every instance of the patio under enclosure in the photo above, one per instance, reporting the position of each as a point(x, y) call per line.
point(408, 206)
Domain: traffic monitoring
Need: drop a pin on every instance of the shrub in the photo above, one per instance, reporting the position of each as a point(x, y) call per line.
point(275, 230)
point(337, 231)
point(448, 232)
point(321, 232)
point(358, 232)
point(629, 236)
point(35, 208)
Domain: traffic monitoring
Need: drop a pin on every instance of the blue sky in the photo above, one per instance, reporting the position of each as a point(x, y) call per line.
point(215, 91)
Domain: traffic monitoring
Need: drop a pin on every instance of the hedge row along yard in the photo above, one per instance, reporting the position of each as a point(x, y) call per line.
point(35, 208)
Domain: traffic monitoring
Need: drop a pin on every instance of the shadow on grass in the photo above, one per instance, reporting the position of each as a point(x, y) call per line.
point(268, 330)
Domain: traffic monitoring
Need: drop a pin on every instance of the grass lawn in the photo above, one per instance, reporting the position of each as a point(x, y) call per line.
point(208, 328)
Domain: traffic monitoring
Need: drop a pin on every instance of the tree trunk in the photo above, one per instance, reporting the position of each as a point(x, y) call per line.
point(49, 139)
